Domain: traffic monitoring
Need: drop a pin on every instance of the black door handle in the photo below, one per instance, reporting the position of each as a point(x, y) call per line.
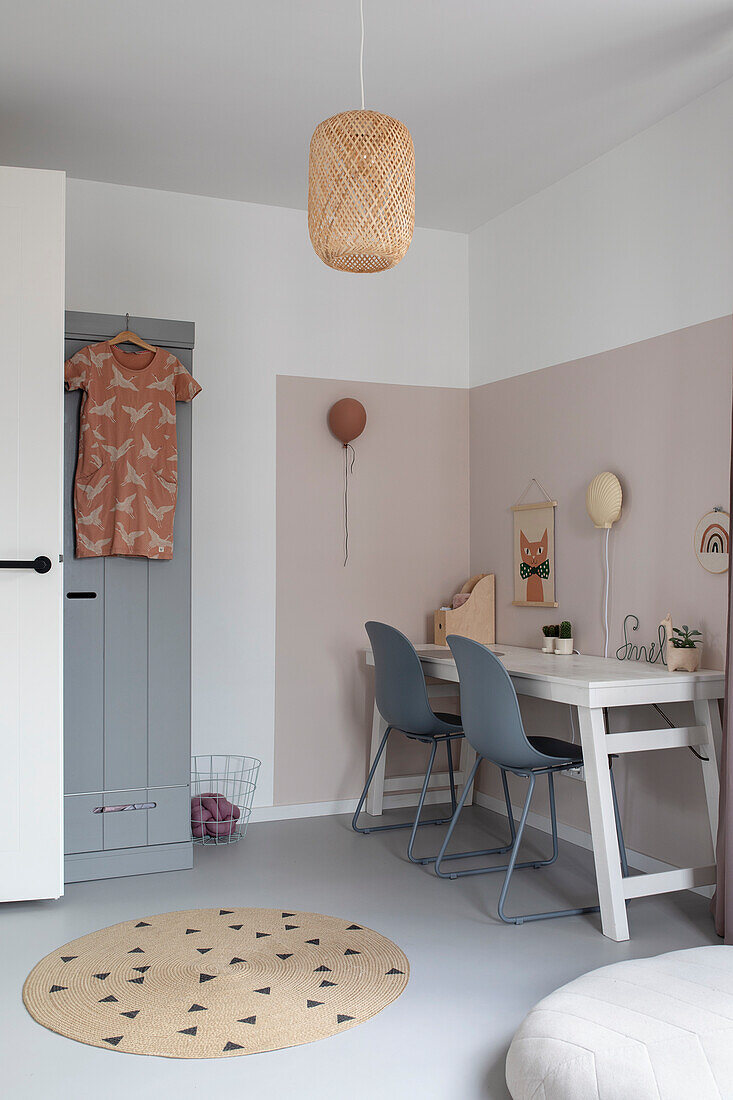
point(41, 564)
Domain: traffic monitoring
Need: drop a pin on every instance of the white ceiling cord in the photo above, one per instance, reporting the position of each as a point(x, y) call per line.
point(361, 53)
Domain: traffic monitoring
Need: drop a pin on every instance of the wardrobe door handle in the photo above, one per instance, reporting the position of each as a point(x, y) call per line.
point(41, 564)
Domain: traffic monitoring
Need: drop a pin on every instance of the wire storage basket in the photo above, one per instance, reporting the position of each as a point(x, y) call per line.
point(222, 792)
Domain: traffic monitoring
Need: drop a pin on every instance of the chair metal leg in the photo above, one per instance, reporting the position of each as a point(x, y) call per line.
point(421, 802)
point(513, 865)
point(367, 785)
point(401, 824)
point(442, 856)
point(451, 776)
point(507, 800)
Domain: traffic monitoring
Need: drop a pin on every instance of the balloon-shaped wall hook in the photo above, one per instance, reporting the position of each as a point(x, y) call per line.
point(347, 419)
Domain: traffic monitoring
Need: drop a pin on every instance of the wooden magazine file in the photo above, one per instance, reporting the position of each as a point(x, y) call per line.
point(476, 618)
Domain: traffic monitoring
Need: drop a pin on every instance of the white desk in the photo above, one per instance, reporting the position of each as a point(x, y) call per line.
point(592, 684)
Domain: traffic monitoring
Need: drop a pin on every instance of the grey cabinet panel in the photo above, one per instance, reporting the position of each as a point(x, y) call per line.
point(82, 828)
point(171, 817)
point(126, 673)
point(169, 632)
point(127, 657)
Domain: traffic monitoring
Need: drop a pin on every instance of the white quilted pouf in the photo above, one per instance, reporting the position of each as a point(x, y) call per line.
point(660, 1028)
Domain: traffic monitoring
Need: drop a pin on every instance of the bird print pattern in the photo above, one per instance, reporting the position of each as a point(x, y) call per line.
point(126, 482)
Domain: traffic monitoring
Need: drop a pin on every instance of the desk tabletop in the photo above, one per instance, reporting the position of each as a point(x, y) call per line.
point(579, 677)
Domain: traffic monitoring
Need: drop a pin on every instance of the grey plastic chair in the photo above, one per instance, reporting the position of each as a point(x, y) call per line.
point(402, 700)
point(493, 725)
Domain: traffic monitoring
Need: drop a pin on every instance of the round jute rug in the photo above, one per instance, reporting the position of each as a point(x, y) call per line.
point(209, 983)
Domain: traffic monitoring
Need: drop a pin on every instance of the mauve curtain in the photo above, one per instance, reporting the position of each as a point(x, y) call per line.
point(723, 899)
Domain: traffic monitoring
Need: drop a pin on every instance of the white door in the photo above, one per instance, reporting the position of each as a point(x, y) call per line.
point(31, 375)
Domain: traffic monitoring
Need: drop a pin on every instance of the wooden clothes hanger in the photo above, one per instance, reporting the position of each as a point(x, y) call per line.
point(129, 337)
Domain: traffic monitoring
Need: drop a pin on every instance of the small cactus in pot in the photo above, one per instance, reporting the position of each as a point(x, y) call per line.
point(564, 643)
point(550, 632)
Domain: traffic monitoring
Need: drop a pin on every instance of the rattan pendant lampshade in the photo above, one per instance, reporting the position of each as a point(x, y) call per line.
point(361, 190)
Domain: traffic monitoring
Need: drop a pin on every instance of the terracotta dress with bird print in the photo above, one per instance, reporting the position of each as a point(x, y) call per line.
point(127, 471)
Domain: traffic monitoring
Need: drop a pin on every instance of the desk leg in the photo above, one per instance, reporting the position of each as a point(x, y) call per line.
point(375, 797)
point(707, 713)
point(603, 824)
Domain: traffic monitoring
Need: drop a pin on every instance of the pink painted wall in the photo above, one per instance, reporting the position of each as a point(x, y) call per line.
point(408, 554)
point(656, 413)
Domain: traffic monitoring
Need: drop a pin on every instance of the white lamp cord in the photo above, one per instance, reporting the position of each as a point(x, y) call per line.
point(361, 53)
point(605, 605)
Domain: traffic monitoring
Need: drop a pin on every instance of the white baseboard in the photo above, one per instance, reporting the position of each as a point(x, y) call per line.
point(341, 806)
point(638, 860)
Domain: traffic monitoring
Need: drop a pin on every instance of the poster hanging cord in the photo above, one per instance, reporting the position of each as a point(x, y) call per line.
point(348, 468)
point(533, 481)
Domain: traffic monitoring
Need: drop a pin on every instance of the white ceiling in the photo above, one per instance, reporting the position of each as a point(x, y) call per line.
point(220, 97)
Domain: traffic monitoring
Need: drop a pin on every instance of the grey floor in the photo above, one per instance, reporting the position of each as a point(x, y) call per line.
point(472, 978)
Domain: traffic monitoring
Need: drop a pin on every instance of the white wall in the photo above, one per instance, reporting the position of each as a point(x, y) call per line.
point(263, 305)
point(635, 244)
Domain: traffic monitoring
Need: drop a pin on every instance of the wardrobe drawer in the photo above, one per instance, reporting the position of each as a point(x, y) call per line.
point(170, 822)
point(82, 828)
point(166, 821)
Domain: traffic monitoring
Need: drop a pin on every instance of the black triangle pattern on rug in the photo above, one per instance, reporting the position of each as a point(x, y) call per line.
point(192, 1031)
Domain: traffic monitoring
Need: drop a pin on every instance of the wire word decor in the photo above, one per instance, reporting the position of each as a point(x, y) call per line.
point(651, 653)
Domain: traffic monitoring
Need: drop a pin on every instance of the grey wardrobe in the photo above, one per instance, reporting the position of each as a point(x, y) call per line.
point(127, 658)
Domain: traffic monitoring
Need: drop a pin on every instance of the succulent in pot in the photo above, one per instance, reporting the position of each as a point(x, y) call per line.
point(684, 647)
point(551, 632)
point(564, 643)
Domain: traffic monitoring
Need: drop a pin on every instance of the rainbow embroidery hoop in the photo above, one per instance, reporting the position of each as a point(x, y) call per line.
point(712, 538)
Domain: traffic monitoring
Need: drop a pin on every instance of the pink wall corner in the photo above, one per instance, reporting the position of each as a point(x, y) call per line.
point(408, 554)
point(656, 413)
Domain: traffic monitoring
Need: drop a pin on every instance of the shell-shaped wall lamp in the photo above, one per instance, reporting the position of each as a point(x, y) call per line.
point(603, 499)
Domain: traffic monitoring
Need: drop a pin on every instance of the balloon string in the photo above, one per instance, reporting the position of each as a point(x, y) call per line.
point(347, 448)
